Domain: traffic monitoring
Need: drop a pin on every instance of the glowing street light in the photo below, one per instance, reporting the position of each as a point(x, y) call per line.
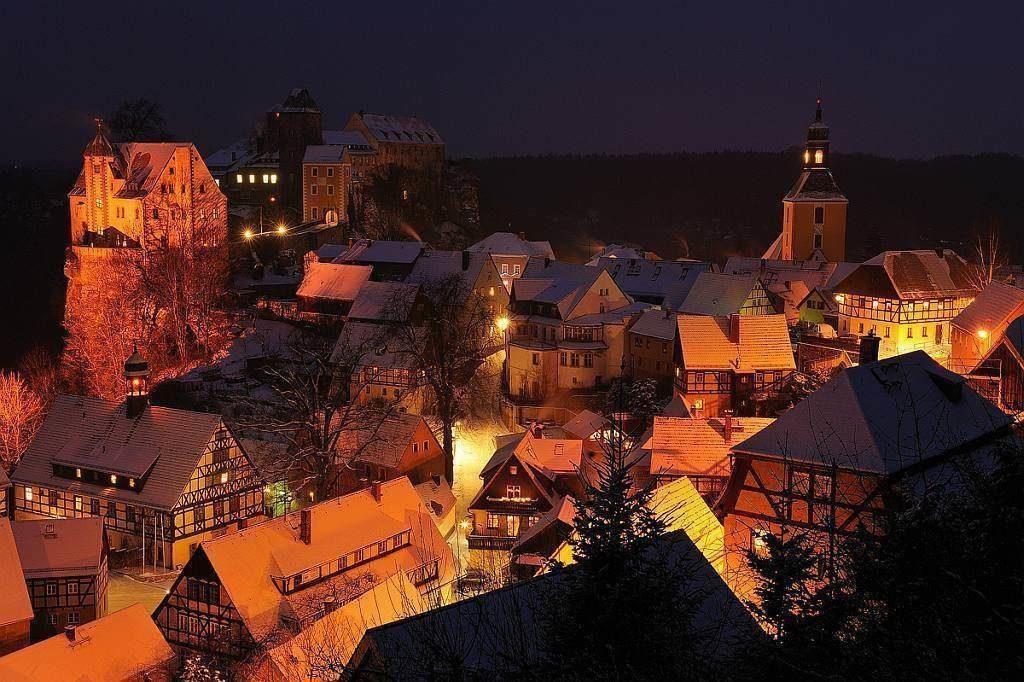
point(282, 230)
point(982, 333)
point(247, 234)
point(502, 323)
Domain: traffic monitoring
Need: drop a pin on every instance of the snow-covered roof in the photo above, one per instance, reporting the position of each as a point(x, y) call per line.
point(815, 184)
point(681, 446)
point(333, 281)
point(59, 547)
point(235, 153)
point(993, 309)
point(658, 324)
point(369, 251)
point(323, 153)
point(382, 443)
point(345, 138)
point(404, 129)
point(881, 417)
point(510, 244)
point(715, 293)
point(663, 282)
point(246, 562)
point(97, 433)
point(911, 275)
point(744, 343)
point(435, 265)
point(384, 302)
point(119, 646)
point(15, 605)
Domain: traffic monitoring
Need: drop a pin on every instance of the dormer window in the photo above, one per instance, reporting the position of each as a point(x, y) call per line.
point(113, 479)
point(131, 482)
point(78, 473)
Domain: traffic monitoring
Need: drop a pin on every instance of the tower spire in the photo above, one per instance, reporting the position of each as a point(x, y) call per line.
point(100, 145)
point(817, 114)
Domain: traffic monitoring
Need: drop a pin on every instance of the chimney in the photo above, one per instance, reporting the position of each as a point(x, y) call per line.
point(375, 490)
point(869, 348)
point(306, 525)
point(734, 327)
point(436, 478)
point(522, 236)
point(136, 384)
point(351, 242)
point(69, 632)
point(668, 312)
point(727, 425)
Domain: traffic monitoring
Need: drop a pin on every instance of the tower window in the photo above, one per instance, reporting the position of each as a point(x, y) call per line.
point(819, 215)
point(252, 178)
point(238, 178)
point(817, 241)
point(819, 156)
point(807, 156)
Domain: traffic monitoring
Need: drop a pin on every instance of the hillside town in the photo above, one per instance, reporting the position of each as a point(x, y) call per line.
point(314, 420)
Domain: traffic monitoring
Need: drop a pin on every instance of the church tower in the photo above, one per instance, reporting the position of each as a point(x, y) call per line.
point(814, 210)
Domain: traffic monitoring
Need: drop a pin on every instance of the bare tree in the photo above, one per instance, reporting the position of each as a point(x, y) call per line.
point(990, 255)
point(447, 347)
point(138, 120)
point(21, 412)
point(310, 410)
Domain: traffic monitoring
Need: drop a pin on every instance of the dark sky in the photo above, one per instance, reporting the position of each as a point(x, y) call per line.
point(899, 79)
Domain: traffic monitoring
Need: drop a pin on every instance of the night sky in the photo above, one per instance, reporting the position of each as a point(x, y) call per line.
point(499, 78)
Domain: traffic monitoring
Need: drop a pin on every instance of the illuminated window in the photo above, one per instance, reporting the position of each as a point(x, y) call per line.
point(513, 470)
point(224, 477)
point(273, 178)
point(113, 479)
point(252, 178)
point(78, 503)
point(266, 178)
point(99, 203)
point(238, 178)
point(78, 473)
point(819, 156)
point(217, 181)
point(807, 156)
point(131, 482)
point(759, 541)
point(28, 494)
point(513, 491)
point(504, 268)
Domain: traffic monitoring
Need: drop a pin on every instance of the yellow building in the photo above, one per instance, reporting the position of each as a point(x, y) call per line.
point(814, 210)
point(907, 298)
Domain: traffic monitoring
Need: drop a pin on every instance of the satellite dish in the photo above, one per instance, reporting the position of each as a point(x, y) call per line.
point(331, 217)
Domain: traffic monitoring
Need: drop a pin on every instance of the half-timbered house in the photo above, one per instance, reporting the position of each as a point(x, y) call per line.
point(999, 374)
point(162, 479)
point(716, 293)
point(731, 362)
point(255, 589)
point(907, 298)
point(981, 325)
point(401, 445)
point(842, 457)
point(65, 567)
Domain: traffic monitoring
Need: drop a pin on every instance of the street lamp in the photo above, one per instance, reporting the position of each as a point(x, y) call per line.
point(281, 229)
point(502, 323)
point(247, 234)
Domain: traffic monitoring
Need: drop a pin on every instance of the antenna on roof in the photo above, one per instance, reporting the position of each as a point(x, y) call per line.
point(817, 114)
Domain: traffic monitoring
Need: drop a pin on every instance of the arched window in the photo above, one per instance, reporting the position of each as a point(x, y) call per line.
point(819, 156)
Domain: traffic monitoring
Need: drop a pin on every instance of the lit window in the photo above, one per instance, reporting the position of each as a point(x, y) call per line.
point(252, 178)
point(28, 494)
point(273, 178)
point(238, 178)
point(807, 156)
point(99, 203)
point(266, 178)
point(513, 470)
point(819, 156)
point(217, 181)
point(224, 477)
point(78, 473)
point(113, 479)
point(513, 491)
point(131, 482)
point(759, 542)
point(78, 503)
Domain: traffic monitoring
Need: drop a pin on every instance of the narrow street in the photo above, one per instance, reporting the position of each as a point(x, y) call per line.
point(125, 590)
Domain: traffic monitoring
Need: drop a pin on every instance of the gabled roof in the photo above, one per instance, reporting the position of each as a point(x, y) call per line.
point(246, 561)
point(139, 164)
point(992, 310)
point(715, 293)
point(563, 513)
point(75, 547)
point(738, 342)
point(554, 282)
point(585, 424)
point(96, 433)
point(624, 251)
point(368, 344)
point(912, 275)
point(815, 184)
point(15, 605)
point(658, 324)
point(370, 251)
point(509, 244)
point(382, 444)
point(432, 266)
point(384, 301)
point(333, 281)
point(498, 631)
point(329, 642)
point(404, 129)
point(681, 446)
point(881, 417)
point(120, 646)
point(345, 138)
point(680, 506)
point(323, 153)
point(669, 281)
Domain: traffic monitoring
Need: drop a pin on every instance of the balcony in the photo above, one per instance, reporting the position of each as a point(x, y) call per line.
point(491, 538)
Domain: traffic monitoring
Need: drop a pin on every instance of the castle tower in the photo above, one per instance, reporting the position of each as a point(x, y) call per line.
point(814, 210)
point(99, 155)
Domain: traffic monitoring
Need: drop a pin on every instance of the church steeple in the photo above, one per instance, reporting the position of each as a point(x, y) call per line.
point(816, 150)
point(100, 145)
